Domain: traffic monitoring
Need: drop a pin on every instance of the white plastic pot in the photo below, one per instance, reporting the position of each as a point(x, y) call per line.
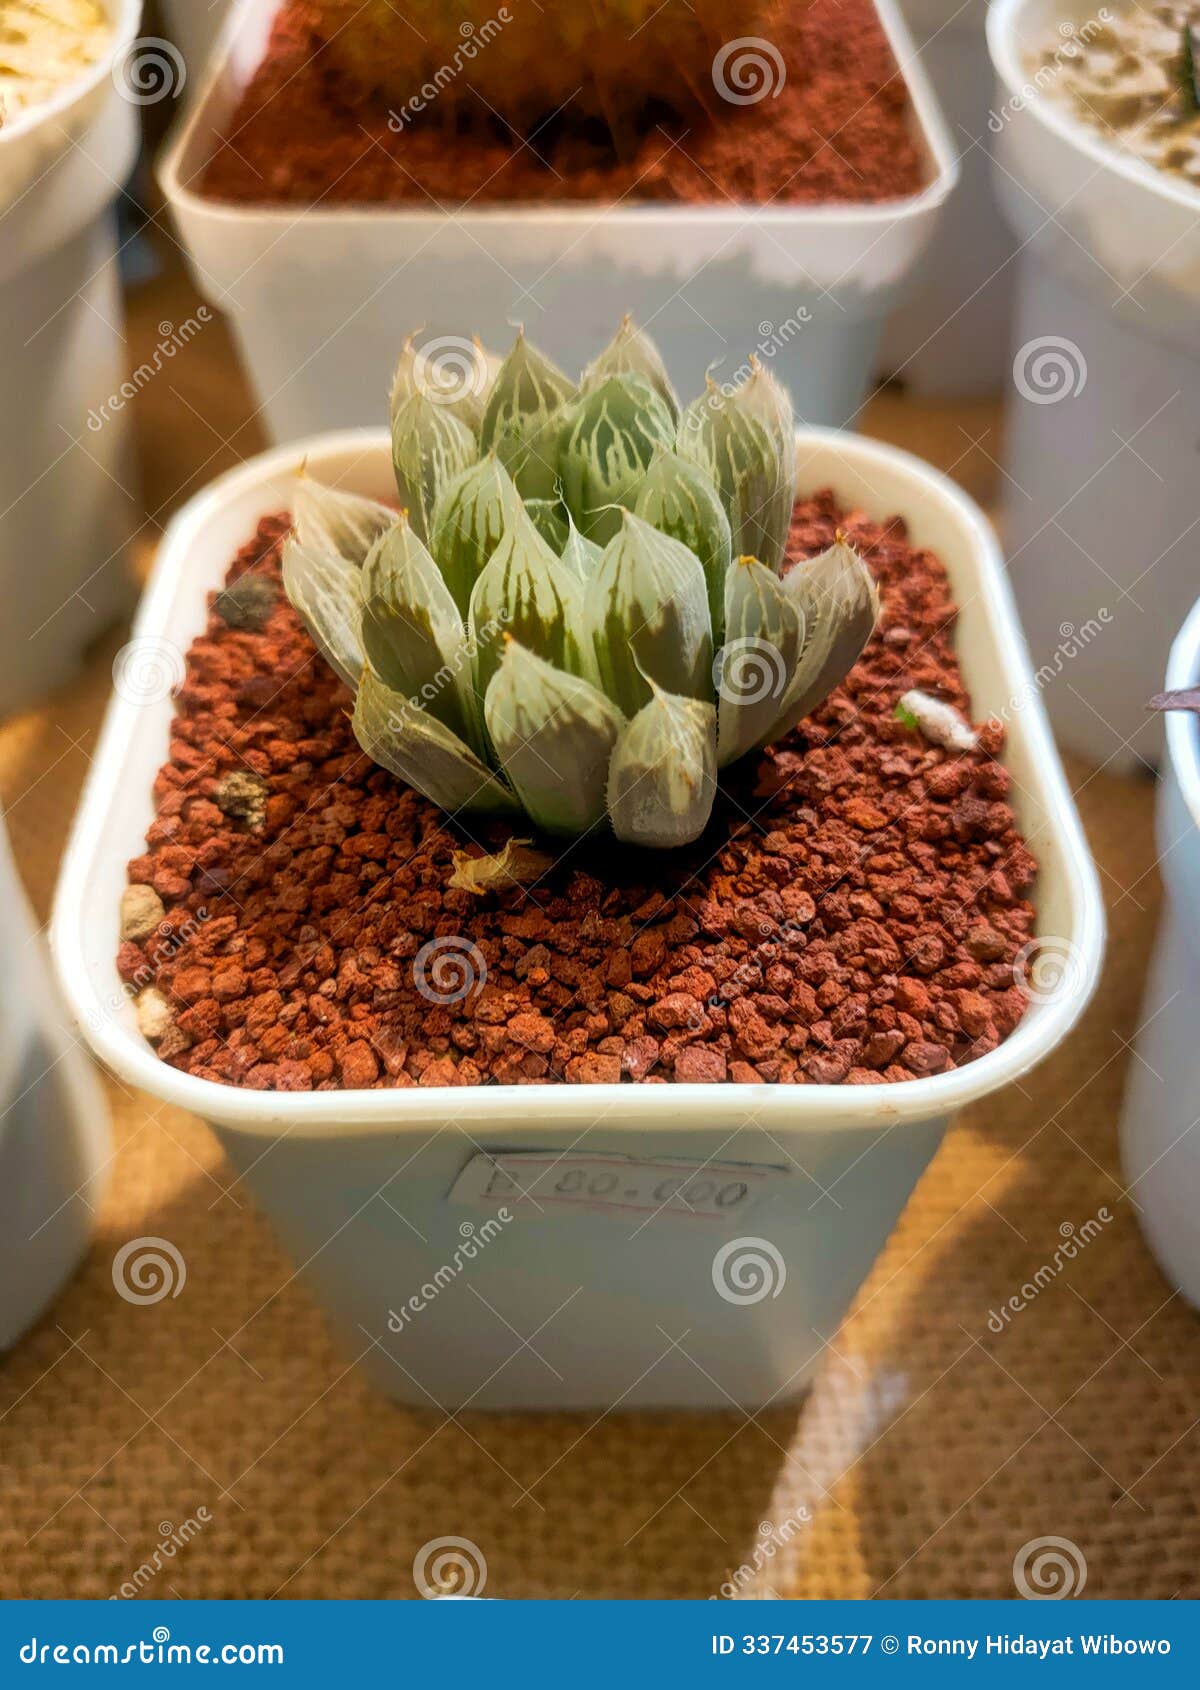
point(193, 26)
point(807, 288)
point(949, 338)
point(67, 501)
point(1160, 1134)
point(1104, 425)
point(53, 1124)
point(371, 1190)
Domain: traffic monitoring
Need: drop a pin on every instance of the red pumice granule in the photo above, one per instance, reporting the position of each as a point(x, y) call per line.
point(854, 912)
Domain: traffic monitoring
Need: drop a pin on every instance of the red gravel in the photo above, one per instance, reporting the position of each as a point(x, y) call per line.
point(853, 913)
point(839, 129)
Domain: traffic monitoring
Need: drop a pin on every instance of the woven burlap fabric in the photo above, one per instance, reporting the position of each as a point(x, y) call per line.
point(929, 1452)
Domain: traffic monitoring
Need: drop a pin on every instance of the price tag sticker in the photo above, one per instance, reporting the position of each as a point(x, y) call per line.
point(533, 1182)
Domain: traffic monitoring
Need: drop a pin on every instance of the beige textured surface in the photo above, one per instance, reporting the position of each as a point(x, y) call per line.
point(929, 1452)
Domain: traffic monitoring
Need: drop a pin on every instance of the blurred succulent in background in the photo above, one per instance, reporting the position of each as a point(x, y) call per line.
point(523, 63)
point(580, 613)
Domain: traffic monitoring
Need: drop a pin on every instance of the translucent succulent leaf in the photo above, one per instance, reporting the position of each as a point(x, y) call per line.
point(469, 522)
point(836, 596)
point(581, 556)
point(523, 416)
point(553, 735)
point(631, 352)
point(413, 634)
point(454, 372)
point(422, 752)
point(755, 667)
point(662, 778)
point(647, 609)
point(526, 592)
point(325, 518)
point(743, 440)
point(551, 519)
point(430, 446)
point(608, 439)
point(679, 500)
point(325, 588)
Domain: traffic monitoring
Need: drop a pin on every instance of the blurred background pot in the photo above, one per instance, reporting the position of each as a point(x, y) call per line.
point(193, 25)
point(949, 339)
point(1160, 1137)
point(311, 294)
point(53, 1123)
point(1104, 428)
point(67, 508)
point(601, 1277)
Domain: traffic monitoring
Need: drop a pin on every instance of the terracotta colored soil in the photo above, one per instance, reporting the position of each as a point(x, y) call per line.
point(838, 130)
point(854, 912)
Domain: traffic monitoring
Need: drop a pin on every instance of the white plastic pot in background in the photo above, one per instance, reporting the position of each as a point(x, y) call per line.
point(53, 1123)
point(1103, 452)
point(317, 298)
point(67, 505)
point(376, 1191)
point(193, 26)
point(949, 338)
point(1160, 1121)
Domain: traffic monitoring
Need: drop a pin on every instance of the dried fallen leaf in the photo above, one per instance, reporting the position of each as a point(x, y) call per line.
point(1187, 698)
point(516, 865)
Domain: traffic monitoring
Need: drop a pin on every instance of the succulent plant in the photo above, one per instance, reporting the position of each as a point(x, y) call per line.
point(581, 613)
point(475, 61)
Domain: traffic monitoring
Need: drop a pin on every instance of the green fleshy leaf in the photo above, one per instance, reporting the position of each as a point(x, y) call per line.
point(326, 519)
point(455, 373)
point(424, 753)
point(325, 589)
point(526, 592)
point(744, 442)
point(469, 522)
point(647, 609)
point(764, 637)
point(523, 417)
point(839, 606)
point(631, 352)
point(607, 442)
point(679, 500)
point(551, 519)
point(662, 777)
point(413, 634)
point(553, 736)
point(579, 555)
point(430, 447)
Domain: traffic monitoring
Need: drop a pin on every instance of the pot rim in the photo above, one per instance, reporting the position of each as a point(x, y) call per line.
point(1006, 21)
point(126, 19)
point(574, 217)
point(321, 1114)
point(1183, 727)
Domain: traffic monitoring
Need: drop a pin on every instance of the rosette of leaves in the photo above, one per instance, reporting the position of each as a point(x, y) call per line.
point(581, 612)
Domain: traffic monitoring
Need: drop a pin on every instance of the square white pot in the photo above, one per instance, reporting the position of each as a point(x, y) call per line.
point(1160, 1137)
point(363, 1186)
point(807, 287)
point(67, 499)
point(1103, 446)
